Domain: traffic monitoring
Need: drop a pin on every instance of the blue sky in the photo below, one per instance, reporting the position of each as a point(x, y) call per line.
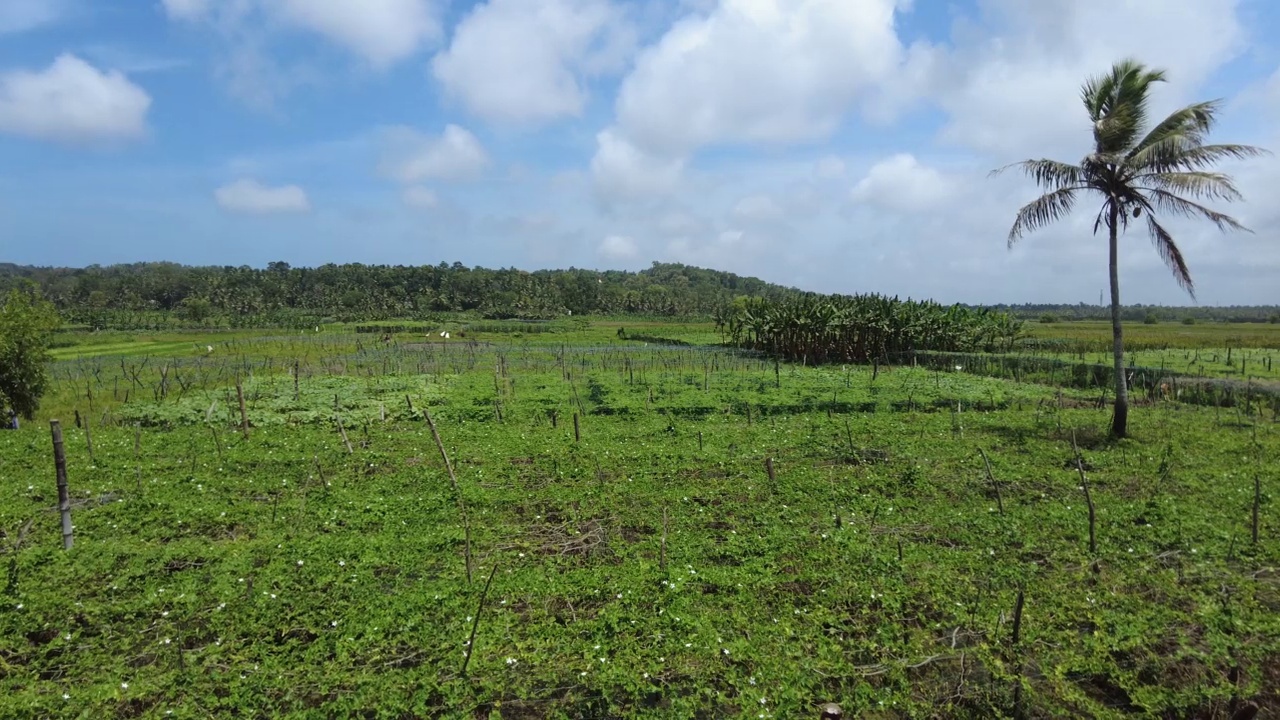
point(835, 145)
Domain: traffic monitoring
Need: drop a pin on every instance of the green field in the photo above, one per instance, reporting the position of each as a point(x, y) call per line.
point(671, 532)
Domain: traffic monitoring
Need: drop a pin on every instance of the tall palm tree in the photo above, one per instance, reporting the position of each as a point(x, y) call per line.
point(1162, 170)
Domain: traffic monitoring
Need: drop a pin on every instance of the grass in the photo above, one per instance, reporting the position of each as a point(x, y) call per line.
point(649, 568)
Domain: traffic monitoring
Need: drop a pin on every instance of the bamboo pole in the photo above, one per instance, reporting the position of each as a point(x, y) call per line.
point(64, 500)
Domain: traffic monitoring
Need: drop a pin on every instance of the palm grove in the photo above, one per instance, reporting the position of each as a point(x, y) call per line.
point(1142, 174)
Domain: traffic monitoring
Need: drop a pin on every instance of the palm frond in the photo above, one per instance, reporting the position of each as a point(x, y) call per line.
point(1180, 153)
point(1117, 102)
point(1171, 255)
point(1042, 211)
point(1189, 124)
point(1048, 174)
point(1198, 185)
point(1158, 199)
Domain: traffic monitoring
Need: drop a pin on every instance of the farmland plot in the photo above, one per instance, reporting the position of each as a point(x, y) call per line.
point(632, 532)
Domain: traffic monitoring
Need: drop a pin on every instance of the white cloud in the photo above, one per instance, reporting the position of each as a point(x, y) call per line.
point(380, 31)
point(252, 197)
point(409, 156)
point(758, 71)
point(522, 61)
point(417, 196)
point(619, 247)
point(1011, 84)
point(18, 16)
point(255, 61)
point(186, 10)
point(901, 184)
point(71, 101)
point(829, 168)
point(622, 171)
point(758, 208)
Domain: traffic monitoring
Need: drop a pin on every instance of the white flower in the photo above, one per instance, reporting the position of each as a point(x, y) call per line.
point(959, 367)
point(124, 686)
point(342, 563)
point(299, 563)
point(66, 696)
point(764, 700)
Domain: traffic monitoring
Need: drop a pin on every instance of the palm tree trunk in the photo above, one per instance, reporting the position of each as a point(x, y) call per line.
point(1120, 421)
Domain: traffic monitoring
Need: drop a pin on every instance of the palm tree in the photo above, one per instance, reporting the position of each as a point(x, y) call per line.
point(1162, 170)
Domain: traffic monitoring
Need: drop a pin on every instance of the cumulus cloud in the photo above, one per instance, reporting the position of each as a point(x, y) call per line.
point(253, 38)
point(758, 71)
point(621, 171)
point(22, 15)
point(419, 197)
point(410, 156)
point(829, 168)
point(757, 207)
point(619, 247)
point(901, 184)
point(71, 101)
point(252, 197)
point(521, 61)
point(380, 31)
point(1009, 81)
point(186, 10)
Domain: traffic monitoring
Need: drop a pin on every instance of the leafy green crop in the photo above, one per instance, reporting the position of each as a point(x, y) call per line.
point(649, 568)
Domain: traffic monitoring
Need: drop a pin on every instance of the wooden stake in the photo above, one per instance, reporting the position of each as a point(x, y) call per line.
point(577, 430)
point(453, 480)
point(217, 442)
point(475, 624)
point(88, 439)
point(992, 479)
point(244, 415)
point(60, 468)
point(1017, 637)
point(662, 554)
point(137, 449)
point(768, 468)
point(343, 432)
point(1084, 484)
point(1257, 502)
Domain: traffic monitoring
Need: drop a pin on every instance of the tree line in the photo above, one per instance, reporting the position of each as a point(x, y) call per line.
point(161, 294)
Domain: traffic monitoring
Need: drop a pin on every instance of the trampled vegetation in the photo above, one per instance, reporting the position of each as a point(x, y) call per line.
point(670, 532)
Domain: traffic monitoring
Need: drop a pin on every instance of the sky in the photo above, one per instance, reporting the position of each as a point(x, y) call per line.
point(833, 145)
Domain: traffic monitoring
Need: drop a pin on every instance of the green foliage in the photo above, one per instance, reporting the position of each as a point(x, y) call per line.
point(1048, 319)
point(27, 323)
point(824, 329)
point(1188, 321)
point(280, 575)
point(165, 295)
point(1151, 319)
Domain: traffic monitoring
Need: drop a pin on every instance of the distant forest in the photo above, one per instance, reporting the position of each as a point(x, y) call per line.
point(161, 294)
